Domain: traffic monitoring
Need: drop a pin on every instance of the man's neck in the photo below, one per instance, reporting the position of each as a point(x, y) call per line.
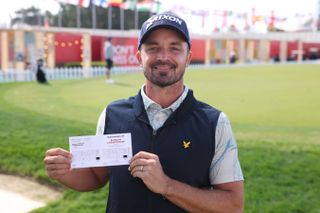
point(164, 96)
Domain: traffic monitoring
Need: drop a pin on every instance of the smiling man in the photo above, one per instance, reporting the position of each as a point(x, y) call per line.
point(185, 157)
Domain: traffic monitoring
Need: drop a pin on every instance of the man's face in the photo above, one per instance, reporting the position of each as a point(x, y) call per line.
point(164, 56)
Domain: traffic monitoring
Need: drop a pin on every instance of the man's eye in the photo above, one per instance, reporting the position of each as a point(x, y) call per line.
point(152, 49)
point(175, 48)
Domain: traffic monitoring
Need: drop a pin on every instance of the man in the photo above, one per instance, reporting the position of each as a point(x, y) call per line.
point(185, 156)
point(40, 74)
point(108, 53)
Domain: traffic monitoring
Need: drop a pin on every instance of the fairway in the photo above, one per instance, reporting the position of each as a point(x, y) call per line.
point(274, 111)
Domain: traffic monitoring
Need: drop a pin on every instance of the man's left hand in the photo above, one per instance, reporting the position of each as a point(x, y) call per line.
point(147, 166)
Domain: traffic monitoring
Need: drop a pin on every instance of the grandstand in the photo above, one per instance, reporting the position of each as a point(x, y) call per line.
point(67, 46)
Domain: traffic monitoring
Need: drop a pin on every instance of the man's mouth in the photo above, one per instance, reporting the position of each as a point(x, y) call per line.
point(163, 66)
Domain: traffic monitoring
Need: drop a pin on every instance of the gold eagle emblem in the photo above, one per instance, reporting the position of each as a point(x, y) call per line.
point(186, 144)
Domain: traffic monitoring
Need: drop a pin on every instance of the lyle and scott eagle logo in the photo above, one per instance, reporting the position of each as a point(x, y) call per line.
point(186, 144)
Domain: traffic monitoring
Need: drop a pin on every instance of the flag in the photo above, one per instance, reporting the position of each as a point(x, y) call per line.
point(218, 12)
point(46, 22)
point(81, 3)
point(149, 5)
point(258, 18)
point(129, 5)
point(144, 6)
point(101, 3)
point(73, 2)
point(156, 6)
point(115, 3)
point(225, 19)
point(84, 3)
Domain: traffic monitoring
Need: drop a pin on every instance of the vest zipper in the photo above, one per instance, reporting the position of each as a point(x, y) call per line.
point(153, 140)
point(154, 135)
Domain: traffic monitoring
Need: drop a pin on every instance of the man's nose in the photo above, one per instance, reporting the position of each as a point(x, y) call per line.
point(163, 55)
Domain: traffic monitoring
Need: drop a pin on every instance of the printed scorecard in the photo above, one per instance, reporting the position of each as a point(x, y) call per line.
point(100, 150)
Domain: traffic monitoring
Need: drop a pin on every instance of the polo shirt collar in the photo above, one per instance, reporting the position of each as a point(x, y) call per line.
point(149, 103)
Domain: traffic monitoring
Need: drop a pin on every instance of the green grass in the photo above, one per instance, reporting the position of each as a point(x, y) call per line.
point(274, 112)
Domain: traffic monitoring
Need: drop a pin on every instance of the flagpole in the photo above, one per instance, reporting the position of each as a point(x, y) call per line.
point(121, 18)
point(60, 16)
point(136, 18)
point(94, 16)
point(110, 17)
point(78, 16)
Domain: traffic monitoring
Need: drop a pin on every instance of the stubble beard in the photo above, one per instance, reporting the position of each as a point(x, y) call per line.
point(165, 78)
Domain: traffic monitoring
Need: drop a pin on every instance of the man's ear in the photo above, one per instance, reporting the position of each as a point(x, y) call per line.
point(138, 56)
point(189, 57)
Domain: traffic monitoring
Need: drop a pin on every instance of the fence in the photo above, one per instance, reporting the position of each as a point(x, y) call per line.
point(62, 73)
point(78, 73)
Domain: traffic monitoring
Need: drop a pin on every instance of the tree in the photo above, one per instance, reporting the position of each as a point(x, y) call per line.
point(30, 16)
point(67, 17)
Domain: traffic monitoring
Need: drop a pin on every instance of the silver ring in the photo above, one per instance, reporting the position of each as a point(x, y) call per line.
point(141, 168)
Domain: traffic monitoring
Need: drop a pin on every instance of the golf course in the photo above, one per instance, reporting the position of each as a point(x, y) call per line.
point(273, 109)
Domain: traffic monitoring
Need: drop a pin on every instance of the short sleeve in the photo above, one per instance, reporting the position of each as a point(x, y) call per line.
point(101, 123)
point(225, 166)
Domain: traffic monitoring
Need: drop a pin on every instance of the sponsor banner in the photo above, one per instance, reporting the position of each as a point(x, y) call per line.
point(124, 51)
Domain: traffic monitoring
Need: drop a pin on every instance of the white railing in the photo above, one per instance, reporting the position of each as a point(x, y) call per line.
point(78, 73)
point(62, 73)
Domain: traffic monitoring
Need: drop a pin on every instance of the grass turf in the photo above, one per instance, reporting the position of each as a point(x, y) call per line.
point(273, 110)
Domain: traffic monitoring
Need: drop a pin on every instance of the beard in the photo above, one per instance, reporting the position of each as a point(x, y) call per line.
point(163, 73)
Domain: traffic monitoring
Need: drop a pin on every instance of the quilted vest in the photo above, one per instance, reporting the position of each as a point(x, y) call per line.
point(185, 145)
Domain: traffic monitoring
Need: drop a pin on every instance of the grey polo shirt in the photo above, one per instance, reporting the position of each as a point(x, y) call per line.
point(225, 165)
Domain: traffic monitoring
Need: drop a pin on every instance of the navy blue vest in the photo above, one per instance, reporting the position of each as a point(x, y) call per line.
point(185, 145)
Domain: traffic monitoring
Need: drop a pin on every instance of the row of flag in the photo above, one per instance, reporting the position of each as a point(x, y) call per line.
point(146, 5)
point(227, 13)
point(86, 3)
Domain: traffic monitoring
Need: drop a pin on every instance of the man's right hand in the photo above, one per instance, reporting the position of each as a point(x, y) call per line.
point(57, 162)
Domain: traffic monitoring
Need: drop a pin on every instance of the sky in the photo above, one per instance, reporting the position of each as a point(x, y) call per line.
point(289, 9)
point(8, 8)
point(281, 8)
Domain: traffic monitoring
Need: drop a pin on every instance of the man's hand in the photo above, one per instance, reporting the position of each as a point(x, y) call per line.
point(147, 166)
point(57, 163)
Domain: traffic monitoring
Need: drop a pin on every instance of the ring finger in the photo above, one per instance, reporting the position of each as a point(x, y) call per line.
point(138, 169)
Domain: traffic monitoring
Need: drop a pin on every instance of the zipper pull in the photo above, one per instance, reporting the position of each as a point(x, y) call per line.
point(154, 132)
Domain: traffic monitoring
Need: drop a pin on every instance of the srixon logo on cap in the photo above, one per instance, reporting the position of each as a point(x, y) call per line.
point(153, 19)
